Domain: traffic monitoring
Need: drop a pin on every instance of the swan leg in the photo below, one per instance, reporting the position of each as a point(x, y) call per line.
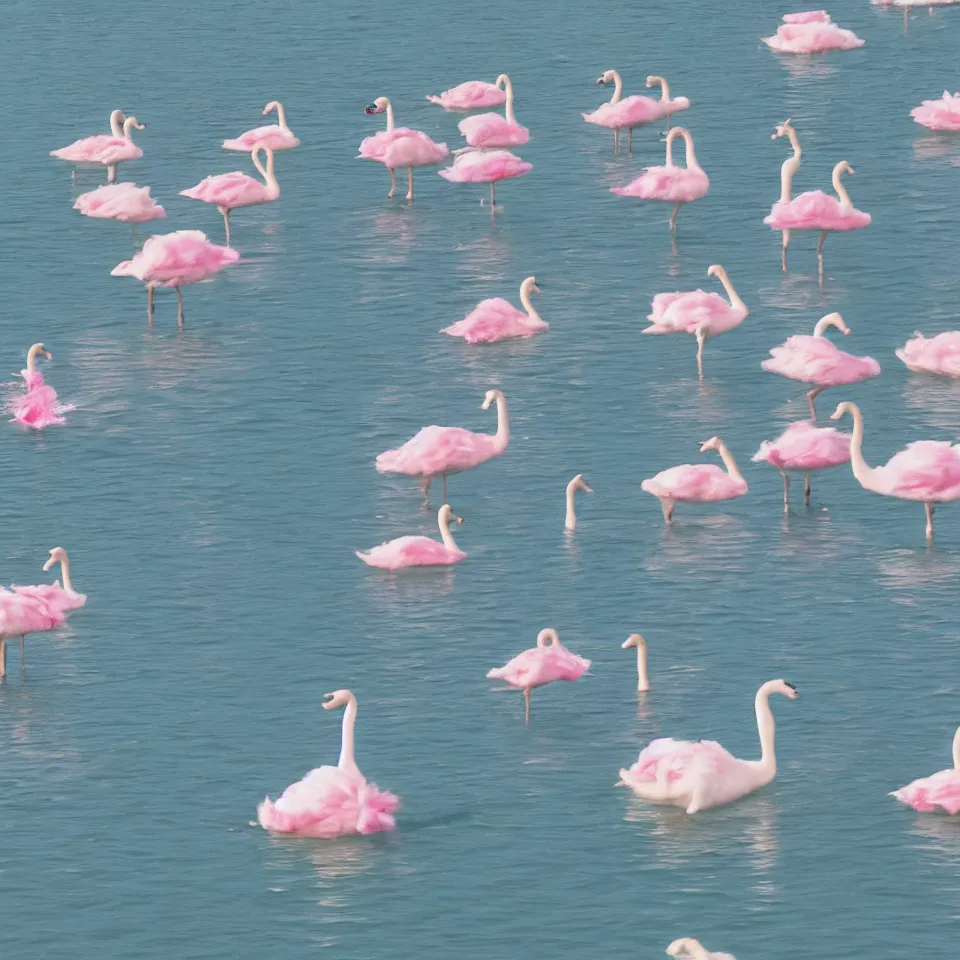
point(783, 252)
point(630, 140)
point(928, 507)
point(701, 340)
point(179, 308)
point(493, 197)
point(616, 139)
point(526, 699)
point(23, 662)
point(3, 656)
point(668, 506)
point(823, 236)
point(73, 175)
point(425, 488)
point(444, 490)
point(806, 490)
point(811, 396)
point(226, 222)
point(786, 491)
point(673, 217)
point(112, 173)
point(409, 183)
point(150, 303)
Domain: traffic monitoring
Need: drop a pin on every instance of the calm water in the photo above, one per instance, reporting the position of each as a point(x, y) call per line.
point(212, 485)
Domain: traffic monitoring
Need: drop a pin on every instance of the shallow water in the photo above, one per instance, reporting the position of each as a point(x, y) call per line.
point(212, 485)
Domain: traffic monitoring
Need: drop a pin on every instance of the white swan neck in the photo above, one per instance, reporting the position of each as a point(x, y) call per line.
point(347, 761)
point(735, 300)
point(766, 727)
point(508, 87)
point(443, 521)
point(643, 681)
point(269, 177)
point(845, 202)
point(503, 422)
point(389, 117)
point(281, 115)
point(727, 457)
point(527, 302)
point(570, 523)
point(689, 154)
point(956, 750)
point(116, 123)
point(861, 469)
point(617, 87)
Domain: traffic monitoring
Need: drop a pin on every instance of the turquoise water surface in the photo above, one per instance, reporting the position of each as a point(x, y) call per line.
point(212, 485)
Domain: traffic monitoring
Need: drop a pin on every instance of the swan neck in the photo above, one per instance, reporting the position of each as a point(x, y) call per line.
point(787, 172)
point(571, 520)
point(767, 730)
point(281, 115)
point(347, 761)
point(508, 87)
point(617, 87)
point(824, 324)
point(128, 128)
point(956, 750)
point(270, 179)
point(664, 90)
point(116, 123)
point(671, 136)
point(861, 469)
point(32, 359)
point(65, 573)
point(689, 154)
point(389, 117)
point(445, 535)
point(528, 304)
point(727, 457)
point(735, 300)
point(643, 681)
point(503, 423)
point(845, 202)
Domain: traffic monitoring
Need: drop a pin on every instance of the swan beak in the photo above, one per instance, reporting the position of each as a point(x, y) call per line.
point(48, 354)
point(851, 171)
point(459, 520)
point(48, 564)
point(836, 415)
point(586, 488)
point(600, 81)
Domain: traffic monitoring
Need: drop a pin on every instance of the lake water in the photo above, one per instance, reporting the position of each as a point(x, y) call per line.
point(213, 484)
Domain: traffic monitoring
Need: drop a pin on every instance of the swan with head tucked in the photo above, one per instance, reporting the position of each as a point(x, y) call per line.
point(636, 640)
point(698, 775)
point(687, 948)
point(442, 451)
point(577, 483)
point(332, 801)
point(228, 191)
point(496, 319)
point(927, 471)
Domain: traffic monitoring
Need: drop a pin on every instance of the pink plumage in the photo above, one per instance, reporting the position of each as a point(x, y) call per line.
point(470, 95)
point(668, 760)
point(39, 406)
point(939, 354)
point(435, 451)
point(811, 32)
point(402, 147)
point(125, 202)
point(941, 790)
point(53, 597)
point(231, 190)
point(496, 319)
point(485, 166)
point(492, 130)
point(807, 16)
point(177, 259)
point(815, 210)
point(812, 359)
point(927, 471)
point(21, 614)
point(695, 483)
point(327, 803)
point(276, 136)
point(942, 114)
point(673, 184)
point(804, 447)
point(632, 111)
point(410, 552)
point(103, 148)
point(539, 666)
point(693, 311)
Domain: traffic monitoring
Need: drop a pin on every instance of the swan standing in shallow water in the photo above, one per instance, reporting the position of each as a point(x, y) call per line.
point(442, 451)
point(787, 172)
point(927, 471)
point(276, 136)
point(577, 483)
point(490, 129)
point(636, 640)
point(701, 775)
point(635, 110)
point(332, 801)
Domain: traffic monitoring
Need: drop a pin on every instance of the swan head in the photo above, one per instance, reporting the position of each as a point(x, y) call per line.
point(609, 77)
point(133, 122)
point(503, 81)
point(57, 555)
point(654, 81)
point(38, 350)
point(272, 105)
point(715, 270)
point(835, 320)
point(785, 688)
point(378, 106)
point(845, 407)
point(446, 514)
point(684, 947)
point(782, 130)
point(844, 167)
point(337, 699)
point(490, 399)
point(634, 640)
point(714, 443)
point(549, 635)
point(530, 285)
point(578, 483)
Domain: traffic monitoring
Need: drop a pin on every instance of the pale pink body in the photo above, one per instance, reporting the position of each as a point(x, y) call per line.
point(21, 614)
point(804, 447)
point(228, 191)
point(403, 147)
point(56, 599)
point(470, 95)
point(125, 202)
point(943, 114)
point(417, 551)
point(276, 136)
point(811, 32)
point(176, 259)
point(689, 312)
point(539, 666)
point(940, 790)
point(331, 801)
point(39, 406)
point(492, 130)
point(817, 360)
point(622, 113)
point(698, 775)
point(485, 166)
point(939, 355)
point(815, 210)
point(495, 319)
point(927, 471)
point(695, 483)
point(103, 149)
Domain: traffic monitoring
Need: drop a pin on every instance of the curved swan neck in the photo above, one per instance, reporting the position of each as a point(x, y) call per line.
point(128, 126)
point(265, 172)
point(32, 354)
point(281, 115)
point(389, 109)
point(643, 681)
point(617, 87)
point(727, 457)
point(689, 154)
point(549, 634)
point(526, 301)
point(664, 88)
point(824, 324)
point(508, 88)
point(571, 519)
point(672, 135)
point(735, 301)
point(767, 729)
point(65, 572)
point(116, 123)
point(845, 202)
point(861, 469)
point(956, 750)
point(347, 761)
point(788, 170)
point(503, 422)
point(446, 536)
